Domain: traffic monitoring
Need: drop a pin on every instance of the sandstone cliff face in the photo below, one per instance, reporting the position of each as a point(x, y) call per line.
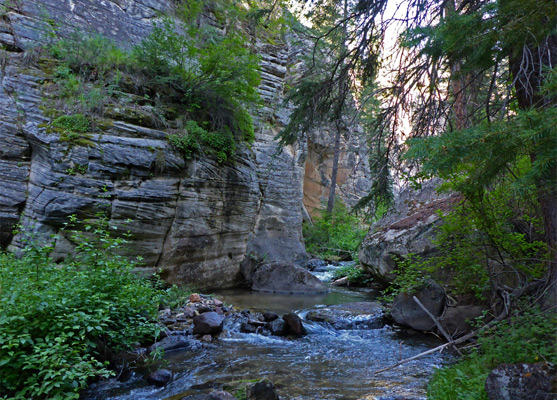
point(196, 220)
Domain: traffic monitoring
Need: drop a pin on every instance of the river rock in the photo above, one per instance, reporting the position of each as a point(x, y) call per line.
point(286, 278)
point(408, 228)
point(208, 323)
point(407, 312)
point(294, 325)
point(457, 320)
point(216, 395)
point(315, 264)
point(277, 327)
point(522, 382)
point(269, 316)
point(169, 343)
point(160, 377)
point(262, 390)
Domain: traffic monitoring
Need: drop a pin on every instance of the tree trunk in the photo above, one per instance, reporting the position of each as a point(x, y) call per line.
point(527, 68)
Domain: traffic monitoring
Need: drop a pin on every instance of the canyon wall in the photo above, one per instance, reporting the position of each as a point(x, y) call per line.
point(195, 220)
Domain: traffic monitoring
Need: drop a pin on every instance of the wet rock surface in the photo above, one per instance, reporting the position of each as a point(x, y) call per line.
point(262, 390)
point(160, 377)
point(360, 315)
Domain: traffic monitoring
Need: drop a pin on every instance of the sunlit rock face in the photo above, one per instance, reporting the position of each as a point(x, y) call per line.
point(408, 229)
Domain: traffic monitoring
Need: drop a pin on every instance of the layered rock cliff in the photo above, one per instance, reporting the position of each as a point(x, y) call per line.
point(196, 220)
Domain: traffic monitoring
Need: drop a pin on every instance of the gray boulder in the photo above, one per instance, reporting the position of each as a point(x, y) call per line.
point(522, 382)
point(170, 343)
point(457, 320)
point(160, 377)
point(286, 278)
point(262, 390)
point(407, 312)
point(408, 228)
point(208, 323)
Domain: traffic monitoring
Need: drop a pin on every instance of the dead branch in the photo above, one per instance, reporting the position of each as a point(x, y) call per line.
point(436, 322)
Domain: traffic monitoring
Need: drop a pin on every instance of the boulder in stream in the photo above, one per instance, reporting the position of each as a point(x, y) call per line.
point(208, 323)
point(160, 377)
point(408, 313)
point(262, 390)
point(169, 343)
point(357, 315)
point(286, 278)
point(217, 395)
point(294, 325)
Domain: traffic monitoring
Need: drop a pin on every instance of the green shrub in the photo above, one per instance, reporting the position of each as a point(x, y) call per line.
point(355, 274)
point(525, 338)
point(474, 232)
point(77, 123)
point(55, 317)
point(337, 235)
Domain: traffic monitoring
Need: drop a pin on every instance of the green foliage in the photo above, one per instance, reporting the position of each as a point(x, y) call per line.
point(214, 77)
point(181, 69)
point(476, 242)
point(337, 235)
point(222, 143)
point(355, 274)
point(475, 158)
point(54, 317)
point(527, 337)
point(77, 123)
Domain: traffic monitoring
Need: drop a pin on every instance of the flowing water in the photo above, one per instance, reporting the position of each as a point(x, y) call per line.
point(328, 363)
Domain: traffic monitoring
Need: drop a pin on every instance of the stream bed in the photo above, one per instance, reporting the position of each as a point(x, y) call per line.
point(332, 362)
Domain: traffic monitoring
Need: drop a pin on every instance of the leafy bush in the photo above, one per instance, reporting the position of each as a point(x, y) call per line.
point(355, 274)
point(182, 69)
point(55, 317)
point(479, 239)
point(336, 235)
point(526, 337)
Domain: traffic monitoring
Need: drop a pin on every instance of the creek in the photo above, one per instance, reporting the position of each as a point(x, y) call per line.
point(329, 363)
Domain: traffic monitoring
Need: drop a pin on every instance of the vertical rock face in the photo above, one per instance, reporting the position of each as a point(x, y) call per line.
point(195, 220)
point(408, 229)
point(353, 179)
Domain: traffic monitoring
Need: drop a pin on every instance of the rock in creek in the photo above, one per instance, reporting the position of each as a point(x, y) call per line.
point(368, 315)
point(294, 325)
point(522, 382)
point(286, 278)
point(269, 316)
point(277, 327)
point(160, 377)
point(208, 323)
point(262, 390)
point(407, 312)
point(220, 395)
point(169, 343)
